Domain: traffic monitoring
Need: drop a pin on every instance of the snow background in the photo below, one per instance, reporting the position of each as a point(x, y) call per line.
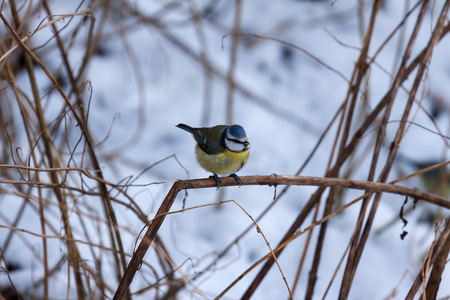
point(167, 87)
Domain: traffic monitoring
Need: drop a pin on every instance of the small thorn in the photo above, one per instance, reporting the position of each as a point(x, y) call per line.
point(238, 179)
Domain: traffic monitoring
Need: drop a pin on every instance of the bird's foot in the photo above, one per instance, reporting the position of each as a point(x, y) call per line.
point(218, 181)
point(238, 179)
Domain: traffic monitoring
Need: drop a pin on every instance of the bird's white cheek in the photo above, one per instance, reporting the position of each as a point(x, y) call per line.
point(233, 146)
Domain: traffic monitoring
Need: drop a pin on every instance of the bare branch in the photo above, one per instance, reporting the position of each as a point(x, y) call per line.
point(270, 180)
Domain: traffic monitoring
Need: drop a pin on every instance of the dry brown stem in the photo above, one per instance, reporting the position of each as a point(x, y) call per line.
point(52, 165)
point(271, 180)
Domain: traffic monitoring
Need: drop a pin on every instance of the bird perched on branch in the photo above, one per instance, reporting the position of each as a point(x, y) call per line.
point(220, 149)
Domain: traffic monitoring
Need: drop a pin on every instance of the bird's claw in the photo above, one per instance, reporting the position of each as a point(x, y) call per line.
point(218, 181)
point(238, 179)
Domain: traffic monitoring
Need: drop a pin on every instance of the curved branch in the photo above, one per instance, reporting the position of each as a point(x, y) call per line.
point(271, 180)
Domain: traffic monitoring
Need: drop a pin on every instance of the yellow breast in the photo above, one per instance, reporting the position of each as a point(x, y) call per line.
point(227, 162)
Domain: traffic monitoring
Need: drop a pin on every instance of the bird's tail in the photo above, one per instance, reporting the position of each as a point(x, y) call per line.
point(185, 127)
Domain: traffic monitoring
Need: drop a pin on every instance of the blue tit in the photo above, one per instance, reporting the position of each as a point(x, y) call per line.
point(220, 149)
point(436, 181)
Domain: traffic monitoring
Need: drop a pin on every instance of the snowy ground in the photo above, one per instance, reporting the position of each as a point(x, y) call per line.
point(293, 98)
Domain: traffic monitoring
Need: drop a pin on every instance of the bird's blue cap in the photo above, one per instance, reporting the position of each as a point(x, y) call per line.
point(237, 131)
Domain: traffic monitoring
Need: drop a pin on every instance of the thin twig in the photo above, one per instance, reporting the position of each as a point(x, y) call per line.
point(270, 180)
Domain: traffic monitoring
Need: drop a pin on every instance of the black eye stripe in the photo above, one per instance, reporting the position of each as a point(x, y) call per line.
point(236, 141)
